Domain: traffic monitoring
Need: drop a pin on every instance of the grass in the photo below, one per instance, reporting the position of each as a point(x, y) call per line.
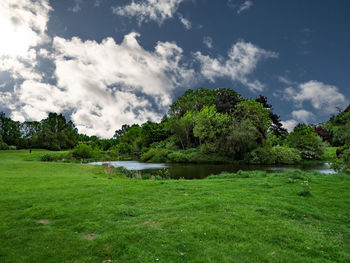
point(64, 212)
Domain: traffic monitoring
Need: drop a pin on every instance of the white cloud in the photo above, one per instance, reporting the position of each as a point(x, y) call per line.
point(208, 42)
point(303, 116)
point(22, 26)
point(241, 61)
point(239, 5)
point(323, 97)
point(187, 24)
point(146, 10)
point(244, 6)
point(106, 84)
point(289, 125)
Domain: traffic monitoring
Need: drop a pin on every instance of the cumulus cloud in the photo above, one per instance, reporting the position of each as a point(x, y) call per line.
point(208, 42)
point(242, 60)
point(23, 27)
point(106, 84)
point(102, 85)
point(323, 97)
point(289, 125)
point(303, 116)
point(147, 10)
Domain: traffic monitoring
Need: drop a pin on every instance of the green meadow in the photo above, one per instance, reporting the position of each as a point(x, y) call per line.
point(65, 212)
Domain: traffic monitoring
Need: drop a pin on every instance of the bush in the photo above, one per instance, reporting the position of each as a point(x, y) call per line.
point(342, 163)
point(3, 146)
point(305, 139)
point(12, 147)
point(274, 155)
point(83, 151)
point(262, 155)
point(47, 158)
point(286, 155)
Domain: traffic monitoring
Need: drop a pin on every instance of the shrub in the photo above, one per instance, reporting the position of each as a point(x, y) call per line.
point(47, 158)
point(286, 155)
point(3, 146)
point(274, 155)
point(342, 163)
point(262, 155)
point(12, 147)
point(305, 139)
point(83, 151)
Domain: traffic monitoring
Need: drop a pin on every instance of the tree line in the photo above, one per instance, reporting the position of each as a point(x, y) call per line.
point(206, 122)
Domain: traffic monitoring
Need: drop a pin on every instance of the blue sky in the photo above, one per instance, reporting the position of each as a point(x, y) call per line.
point(104, 63)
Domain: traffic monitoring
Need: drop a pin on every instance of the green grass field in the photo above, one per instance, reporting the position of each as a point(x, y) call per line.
point(64, 212)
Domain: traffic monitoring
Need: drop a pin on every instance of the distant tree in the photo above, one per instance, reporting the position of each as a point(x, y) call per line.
point(31, 133)
point(276, 126)
point(119, 133)
point(153, 132)
point(57, 133)
point(9, 130)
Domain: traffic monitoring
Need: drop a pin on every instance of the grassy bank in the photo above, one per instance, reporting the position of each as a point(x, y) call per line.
point(64, 212)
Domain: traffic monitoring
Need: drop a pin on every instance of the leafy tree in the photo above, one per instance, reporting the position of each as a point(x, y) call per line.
point(31, 133)
point(257, 115)
point(132, 137)
point(182, 128)
point(276, 126)
point(305, 139)
point(338, 128)
point(192, 101)
point(226, 100)
point(57, 133)
point(9, 130)
point(119, 133)
point(153, 132)
point(209, 124)
point(239, 138)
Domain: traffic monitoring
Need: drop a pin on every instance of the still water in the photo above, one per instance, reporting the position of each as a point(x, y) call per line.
point(199, 171)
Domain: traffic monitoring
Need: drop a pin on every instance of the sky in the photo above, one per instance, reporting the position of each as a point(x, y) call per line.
point(105, 63)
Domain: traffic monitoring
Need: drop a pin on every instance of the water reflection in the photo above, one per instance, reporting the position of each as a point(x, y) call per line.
point(199, 171)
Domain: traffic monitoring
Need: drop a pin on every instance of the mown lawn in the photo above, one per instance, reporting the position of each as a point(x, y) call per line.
point(60, 212)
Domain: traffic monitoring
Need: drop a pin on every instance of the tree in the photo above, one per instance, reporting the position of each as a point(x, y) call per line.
point(9, 130)
point(305, 139)
point(119, 133)
point(209, 125)
point(153, 132)
point(338, 128)
point(226, 100)
point(257, 115)
point(276, 126)
point(57, 133)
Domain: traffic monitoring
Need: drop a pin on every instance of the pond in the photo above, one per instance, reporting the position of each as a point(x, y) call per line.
point(200, 171)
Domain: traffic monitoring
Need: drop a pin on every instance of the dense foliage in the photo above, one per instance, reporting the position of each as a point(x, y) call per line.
point(205, 125)
point(53, 133)
point(305, 139)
